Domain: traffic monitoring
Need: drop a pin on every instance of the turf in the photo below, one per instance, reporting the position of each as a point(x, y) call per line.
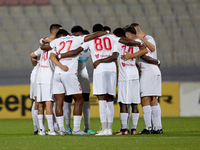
point(179, 134)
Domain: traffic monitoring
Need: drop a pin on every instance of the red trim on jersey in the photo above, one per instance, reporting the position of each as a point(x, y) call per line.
point(140, 46)
point(144, 36)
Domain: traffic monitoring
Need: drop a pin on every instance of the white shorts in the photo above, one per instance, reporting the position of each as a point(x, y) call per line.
point(83, 79)
point(33, 89)
point(44, 92)
point(129, 92)
point(150, 85)
point(66, 83)
point(104, 83)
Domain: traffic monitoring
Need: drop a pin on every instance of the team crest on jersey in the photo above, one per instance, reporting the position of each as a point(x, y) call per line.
point(123, 64)
point(97, 56)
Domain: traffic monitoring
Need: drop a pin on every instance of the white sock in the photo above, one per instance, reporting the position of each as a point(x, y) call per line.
point(67, 114)
point(55, 124)
point(110, 113)
point(35, 112)
point(135, 118)
point(60, 123)
point(147, 116)
point(50, 122)
point(40, 119)
point(86, 114)
point(159, 118)
point(155, 117)
point(103, 113)
point(123, 117)
point(77, 123)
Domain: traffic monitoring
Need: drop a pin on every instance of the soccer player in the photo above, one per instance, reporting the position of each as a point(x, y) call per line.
point(67, 82)
point(44, 85)
point(128, 79)
point(33, 96)
point(150, 83)
point(85, 85)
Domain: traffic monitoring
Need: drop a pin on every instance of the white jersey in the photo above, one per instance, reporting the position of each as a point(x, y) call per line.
point(152, 41)
point(102, 47)
point(127, 69)
point(63, 45)
point(83, 57)
point(144, 66)
point(46, 67)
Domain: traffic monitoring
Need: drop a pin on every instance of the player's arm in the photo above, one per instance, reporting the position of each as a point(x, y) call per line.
point(106, 60)
point(34, 61)
point(95, 35)
point(150, 60)
point(148, 44)
point(129, 42)
point(71, 53)
point(141, 52)
point(56, 62)
point(45, 47)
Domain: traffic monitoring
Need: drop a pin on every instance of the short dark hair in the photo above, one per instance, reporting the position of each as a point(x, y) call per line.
point(61, 32)
point(54, 26)
point(126, 26)
point(86, 32)
point(106, 28)
point(76, 28)
point(134, 24)
point(119, 32)
point(97, 27)
point(131, 30)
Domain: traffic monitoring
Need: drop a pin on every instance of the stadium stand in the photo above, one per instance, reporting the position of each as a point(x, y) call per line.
point(175, 25)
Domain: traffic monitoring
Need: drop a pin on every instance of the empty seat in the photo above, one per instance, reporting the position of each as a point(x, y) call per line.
point(184, 21)
point(71, 2)
point(92, 11)
point(77, 11)
point(136, 11)
point(32, 11)
point(155, 22)
point(161, 1)
point(86, 2)
point(101, 2)
point(38, 23)
point(46, 11)
point(112, 22)
point(106, 11)
point(22, 23)
point(193, 8)
point(121, 10)
point(150, 10)
point(57, 2)
point(179, 9)
point(61, 11)
point(146, 1)
point(8, 24)
point(164, 9)
point(131, 2)
point(16, 11)
point(4, 12)
point(4, 38)
point(115, 2)
point(123, 21)
point(41, 2)
point(176, 1)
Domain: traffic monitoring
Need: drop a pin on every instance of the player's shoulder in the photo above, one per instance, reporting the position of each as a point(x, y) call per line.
point(149, 37)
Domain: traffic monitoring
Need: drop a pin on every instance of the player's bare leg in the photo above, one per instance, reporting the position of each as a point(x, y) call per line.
point(67, 113)
point(59, 111)
point(103, 113)
point(41, 117)
point(135, 118)
point(145, 101)
point(35, 116)
point(156, 116)
point(110, 112)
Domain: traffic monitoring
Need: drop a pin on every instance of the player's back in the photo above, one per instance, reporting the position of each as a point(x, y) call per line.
point(103, 47)
point(65, 44)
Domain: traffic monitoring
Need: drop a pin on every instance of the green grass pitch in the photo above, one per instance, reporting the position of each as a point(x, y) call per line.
point(180, 133)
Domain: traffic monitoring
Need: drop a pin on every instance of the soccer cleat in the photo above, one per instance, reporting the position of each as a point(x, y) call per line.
point(63, 133)
point(133, 131)
point(124, 132)
point(109, 132)
point(119, 132)
point(89, 131)
point(102, 132)
point(69, 131)
point(42, 132)
point(36, 132)
point(145, 131)
point(99, 130)
point(161, 131)
point(52, 133)
point(80, 132)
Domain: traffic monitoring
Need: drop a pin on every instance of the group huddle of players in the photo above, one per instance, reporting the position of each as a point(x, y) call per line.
point(60, 75)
